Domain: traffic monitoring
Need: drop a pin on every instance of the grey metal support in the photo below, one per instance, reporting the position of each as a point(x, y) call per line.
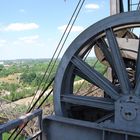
point(61, 128)
point(96, 77)
point(115, 6)
point(103, 138)
point(104, 47)
point(137, 87)
point(118, 62)
point(128, 5)
point(0, 136)
point(137, 73)
point(126, 137)
point(89, 101)
point(40, 126)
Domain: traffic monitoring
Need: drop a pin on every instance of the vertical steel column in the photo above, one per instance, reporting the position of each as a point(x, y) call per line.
point(128, 5)
point(0, 136)
point(40, 124)
point(116, 6)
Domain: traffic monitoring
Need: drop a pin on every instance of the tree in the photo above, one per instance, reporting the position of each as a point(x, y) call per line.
point(1, 67)
point(28, 78)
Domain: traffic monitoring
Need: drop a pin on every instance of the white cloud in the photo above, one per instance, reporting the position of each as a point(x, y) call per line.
point(29, 39)
point(22, 10)
point(2, 42)
point(21, 26)
point(92, 6)
point(74, 28)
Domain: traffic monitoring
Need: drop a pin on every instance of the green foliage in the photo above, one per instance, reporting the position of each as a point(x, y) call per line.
point(97, 66)
point(28, 77)
point(4, 72)
point(100, 67)
point(1, 67)
point(9, 87)
point(20, 94)
point(30, 74)
point(78, 86)
point(21, 66)
point(6, 135)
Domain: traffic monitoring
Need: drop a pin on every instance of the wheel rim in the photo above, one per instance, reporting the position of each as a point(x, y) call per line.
point(73, 64)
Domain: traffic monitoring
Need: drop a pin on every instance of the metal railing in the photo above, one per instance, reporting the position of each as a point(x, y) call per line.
point(10, 125)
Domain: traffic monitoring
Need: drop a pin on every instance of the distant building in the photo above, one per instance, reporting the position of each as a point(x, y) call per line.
point(7, 66)
point(1, 63)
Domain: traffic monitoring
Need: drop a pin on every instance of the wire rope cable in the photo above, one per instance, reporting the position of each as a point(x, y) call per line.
point(49, 65)
point(62, 46)
point(31, 107)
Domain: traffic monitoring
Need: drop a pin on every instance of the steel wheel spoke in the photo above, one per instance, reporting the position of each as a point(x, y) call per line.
point(118, 62)
point(106, 117)
point(89, 101)
point(137, 74)
point(83, 76)
point(103, 46)
point(137, 87)
point(96, 77)
point(138, 64)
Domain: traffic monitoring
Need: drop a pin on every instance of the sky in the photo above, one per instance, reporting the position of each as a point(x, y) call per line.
point(33, 28)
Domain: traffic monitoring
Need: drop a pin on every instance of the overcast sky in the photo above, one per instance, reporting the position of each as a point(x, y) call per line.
point(32, 28)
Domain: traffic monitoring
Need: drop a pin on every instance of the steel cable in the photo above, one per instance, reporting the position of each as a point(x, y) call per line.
point(55, 51)
point(30, 108)
point(62, 45)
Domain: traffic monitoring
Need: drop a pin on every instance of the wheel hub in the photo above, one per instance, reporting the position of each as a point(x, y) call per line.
point(127, 113)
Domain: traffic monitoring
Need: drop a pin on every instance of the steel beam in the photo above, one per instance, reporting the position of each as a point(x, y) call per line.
point(61, 128)
point(96, 77)
point(114, 7)
point(89, 101)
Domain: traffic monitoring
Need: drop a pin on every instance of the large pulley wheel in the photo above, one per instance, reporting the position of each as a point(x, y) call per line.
point(105, 35)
